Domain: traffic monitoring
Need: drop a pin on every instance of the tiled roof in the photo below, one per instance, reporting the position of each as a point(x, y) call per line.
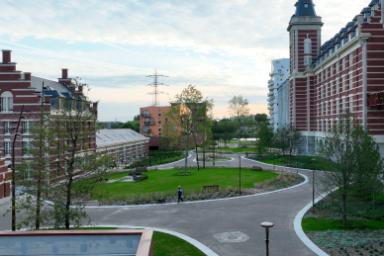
point(51, 88)
point(344, 34)
point(305, 8)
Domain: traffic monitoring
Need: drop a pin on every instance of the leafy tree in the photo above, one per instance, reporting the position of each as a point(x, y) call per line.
point(265, 136)
point(358, 165)
point(238, 106)
point(294, 137)
point(224, 129)
point(73, 128)
point(281, 140)
point(35, 172)
point(192, 111)
point(368, 165)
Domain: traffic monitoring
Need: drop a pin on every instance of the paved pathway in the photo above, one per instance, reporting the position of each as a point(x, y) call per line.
point(228, 227)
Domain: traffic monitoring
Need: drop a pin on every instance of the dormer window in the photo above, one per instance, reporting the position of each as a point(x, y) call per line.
point(6, 102)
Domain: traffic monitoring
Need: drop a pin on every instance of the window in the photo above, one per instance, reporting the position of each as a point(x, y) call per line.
point(344, 105)
point(6, 102)
point(7, 127)
point(26, 147)
point(337, 106)
point(351, 104)
point(25, 127)
point(7, 148)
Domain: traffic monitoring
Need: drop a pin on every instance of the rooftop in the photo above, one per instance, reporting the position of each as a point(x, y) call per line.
point(305, 8)
point(110, 137)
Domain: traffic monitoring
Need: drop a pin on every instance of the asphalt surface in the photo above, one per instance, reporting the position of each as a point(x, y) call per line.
point(228, 227)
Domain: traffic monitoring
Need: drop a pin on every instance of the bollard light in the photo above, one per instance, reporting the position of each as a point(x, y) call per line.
point(267, 225)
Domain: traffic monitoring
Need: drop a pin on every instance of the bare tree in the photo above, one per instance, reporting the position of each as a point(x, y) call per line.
point(74, 126)
point(238, 106)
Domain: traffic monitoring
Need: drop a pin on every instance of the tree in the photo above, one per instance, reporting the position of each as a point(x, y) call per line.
point(34, 171)
point(368, 165)
point(74, 126)
point(358, 165)
point(224, 129)
point(281, 140)
point(339, 148)
point(238, 106)
point(294, 137)
point(265, 136)
point(192, 111)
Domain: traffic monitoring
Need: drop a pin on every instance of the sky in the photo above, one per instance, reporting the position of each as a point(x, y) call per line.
point(223, 47)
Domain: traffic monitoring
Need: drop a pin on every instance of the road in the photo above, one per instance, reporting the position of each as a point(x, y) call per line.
point(229, 227)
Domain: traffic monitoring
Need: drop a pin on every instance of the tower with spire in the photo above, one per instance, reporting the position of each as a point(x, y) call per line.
point(305, 42)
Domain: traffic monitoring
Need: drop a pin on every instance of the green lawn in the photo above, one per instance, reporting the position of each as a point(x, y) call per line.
point(167, 181)
point(323, 224)
point(304, 162)
point(235, 150)
point(166, 245)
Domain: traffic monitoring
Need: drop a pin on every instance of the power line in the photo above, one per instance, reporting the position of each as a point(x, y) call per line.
point(155, 85)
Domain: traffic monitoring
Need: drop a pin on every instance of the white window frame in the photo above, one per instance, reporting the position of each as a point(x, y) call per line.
point(6, 102)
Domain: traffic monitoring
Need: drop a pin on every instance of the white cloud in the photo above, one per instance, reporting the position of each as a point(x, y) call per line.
point(210, 43)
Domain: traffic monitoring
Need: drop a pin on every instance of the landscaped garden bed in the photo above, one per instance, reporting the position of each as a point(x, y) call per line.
point(161, 186)
point(362, 235)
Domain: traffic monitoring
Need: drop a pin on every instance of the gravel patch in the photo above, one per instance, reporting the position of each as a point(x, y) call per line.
point(350, 243)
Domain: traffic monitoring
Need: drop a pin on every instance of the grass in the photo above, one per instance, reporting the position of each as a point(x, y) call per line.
point(304, 162)
point(159, 157)
point(167, 181)
point(235, 150)
point(165, 245)
point(324, 224)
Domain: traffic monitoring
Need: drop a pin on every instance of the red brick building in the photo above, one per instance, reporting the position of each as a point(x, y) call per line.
point(5, 175)
point(345, 74)
point(152, 122)
point(22, 90)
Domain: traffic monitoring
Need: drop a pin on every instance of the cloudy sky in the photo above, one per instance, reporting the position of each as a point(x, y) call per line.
point(224, 47)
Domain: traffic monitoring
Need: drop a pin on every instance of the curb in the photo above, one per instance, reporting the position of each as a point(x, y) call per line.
point(299, 229)
point(155, 167)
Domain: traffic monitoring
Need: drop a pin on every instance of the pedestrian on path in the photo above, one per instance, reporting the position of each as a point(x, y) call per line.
point(180, 195)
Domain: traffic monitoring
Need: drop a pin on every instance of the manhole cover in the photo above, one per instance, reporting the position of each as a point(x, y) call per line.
point(231, 237)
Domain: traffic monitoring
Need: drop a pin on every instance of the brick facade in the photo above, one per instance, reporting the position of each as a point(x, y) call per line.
point(5, 177)
point(22, 90)
point(342, 75)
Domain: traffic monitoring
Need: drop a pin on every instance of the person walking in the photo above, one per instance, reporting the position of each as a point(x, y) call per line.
point(180, 195)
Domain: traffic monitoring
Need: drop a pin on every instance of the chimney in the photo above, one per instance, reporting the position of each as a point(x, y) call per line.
point(27, 76)
point(64, 73)
point(6, 56)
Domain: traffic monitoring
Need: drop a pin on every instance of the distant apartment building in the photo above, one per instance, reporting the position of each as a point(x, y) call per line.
point(20, 90)
point(152, 122)
point(124, 146)
point(279, 74)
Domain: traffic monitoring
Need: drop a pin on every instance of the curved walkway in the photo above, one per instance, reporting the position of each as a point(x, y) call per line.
point(228, 227)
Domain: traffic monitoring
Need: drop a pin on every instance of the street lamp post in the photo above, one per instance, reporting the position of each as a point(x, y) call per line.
point(267, 225)
point(13, 183)
point(240, 174)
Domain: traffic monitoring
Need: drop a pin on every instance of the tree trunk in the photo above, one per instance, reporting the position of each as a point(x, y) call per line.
point(68, 202)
